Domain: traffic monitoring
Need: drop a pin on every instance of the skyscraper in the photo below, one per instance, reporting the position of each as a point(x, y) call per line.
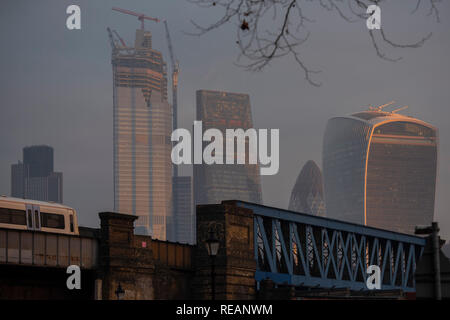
point(380, 170)
point(19, 172)
point(39, 159)
point(307, 194)
point(142, 129)
point(184, 219)
point(216, 182)
point(34, 178)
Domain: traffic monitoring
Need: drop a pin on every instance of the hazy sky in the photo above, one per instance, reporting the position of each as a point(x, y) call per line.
point(56, 86)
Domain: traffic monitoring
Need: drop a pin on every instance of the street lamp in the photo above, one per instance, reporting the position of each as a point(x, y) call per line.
point(212, 246)
point(433, 232)
point(120, 293)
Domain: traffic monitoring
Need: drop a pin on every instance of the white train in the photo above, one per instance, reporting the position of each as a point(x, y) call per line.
point(24, 214)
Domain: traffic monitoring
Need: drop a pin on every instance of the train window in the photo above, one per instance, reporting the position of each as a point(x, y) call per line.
point(71, 223)
point(4, 215)
point(51, 220)
point(12, 216)
point(36, 219)
point(30, 219)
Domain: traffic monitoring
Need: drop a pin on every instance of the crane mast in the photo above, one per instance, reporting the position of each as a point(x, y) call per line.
point(111, 39)
point(120, 39)
point(175, 71)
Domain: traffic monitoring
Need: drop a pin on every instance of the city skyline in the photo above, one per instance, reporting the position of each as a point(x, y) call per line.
point(301, 112)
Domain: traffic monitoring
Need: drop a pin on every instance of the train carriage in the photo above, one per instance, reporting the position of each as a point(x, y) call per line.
point(24, 214)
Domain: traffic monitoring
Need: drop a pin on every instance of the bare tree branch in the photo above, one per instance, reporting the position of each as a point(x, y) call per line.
point(270, 29)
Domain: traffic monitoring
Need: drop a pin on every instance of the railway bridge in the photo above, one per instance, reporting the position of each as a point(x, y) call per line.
point(33, 263)
point(257, 244)
point(302, 251)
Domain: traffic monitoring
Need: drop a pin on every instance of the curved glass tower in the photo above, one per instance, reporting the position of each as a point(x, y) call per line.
point(307, 194)
point(379, 169)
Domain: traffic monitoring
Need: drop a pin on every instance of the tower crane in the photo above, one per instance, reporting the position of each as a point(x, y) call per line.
point(141, 17)
point(175, 71)
point(120, 39)
point(111, 39)
point(114, 39)
point(399, 109)
point(379, 108)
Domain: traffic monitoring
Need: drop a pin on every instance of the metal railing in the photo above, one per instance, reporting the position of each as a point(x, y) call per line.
point(35, 248)
point(310, 251)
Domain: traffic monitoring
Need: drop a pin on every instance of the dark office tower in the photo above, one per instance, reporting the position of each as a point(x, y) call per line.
point(216, 182)
point(307, 194)
point(18, 173)
point(380, 170)
point(34, 178)
point(183, 220)
point(39, 159)
point(55, 186)
point(142, 127)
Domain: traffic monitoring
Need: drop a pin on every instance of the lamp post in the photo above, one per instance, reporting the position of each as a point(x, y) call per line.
point(433, 230)
point(212, 246)
point(120, 293)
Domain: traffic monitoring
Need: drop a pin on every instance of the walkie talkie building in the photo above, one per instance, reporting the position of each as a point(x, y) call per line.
point(379, 170)
point(142, 128)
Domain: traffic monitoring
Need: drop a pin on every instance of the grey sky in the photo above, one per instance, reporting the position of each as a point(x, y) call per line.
point(56, 87)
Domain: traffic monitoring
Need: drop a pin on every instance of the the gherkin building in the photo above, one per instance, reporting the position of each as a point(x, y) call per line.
point(307, 194)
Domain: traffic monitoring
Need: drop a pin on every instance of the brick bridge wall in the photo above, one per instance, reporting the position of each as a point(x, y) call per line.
point(152, 269)
point(145, 268)
point(235, 264)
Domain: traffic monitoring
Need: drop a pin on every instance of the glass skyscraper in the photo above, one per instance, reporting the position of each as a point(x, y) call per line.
point(307, 194)
point(34, 178)
point(379, 170)
point(142, 129)
point(184, 221)
point(216, 182)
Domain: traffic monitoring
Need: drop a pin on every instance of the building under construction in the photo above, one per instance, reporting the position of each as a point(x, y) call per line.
point(142, 129)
